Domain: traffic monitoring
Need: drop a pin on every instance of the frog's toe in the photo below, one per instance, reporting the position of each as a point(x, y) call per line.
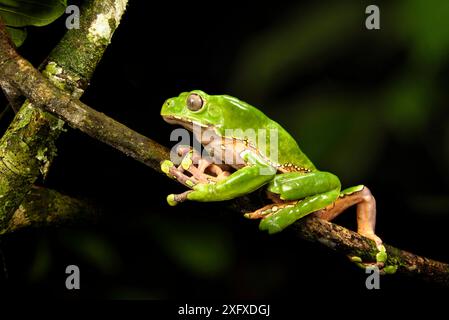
point(270, 224)
point(178, 174)
point(174, 199)
point(391, 269)
point(171, 200)
point(380, 263)
point(364, 265)
point(187, 161)
point(262, 212)
point(166, 165)
point(381, 256)
point(381, 259)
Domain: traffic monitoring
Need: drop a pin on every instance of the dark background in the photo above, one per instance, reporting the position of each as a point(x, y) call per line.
point(369, 106)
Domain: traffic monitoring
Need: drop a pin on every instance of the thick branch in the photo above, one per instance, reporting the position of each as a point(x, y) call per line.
point(44, 207)
point(43, 93)
point(351, 243)
point(28, 146)
point(13, 96)
point(80, 116)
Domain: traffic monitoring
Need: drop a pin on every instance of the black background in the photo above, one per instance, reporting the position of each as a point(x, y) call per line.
point(164, 49)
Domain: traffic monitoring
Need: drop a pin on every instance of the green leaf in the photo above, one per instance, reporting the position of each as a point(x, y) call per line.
point(18, 36)
point(20, 13)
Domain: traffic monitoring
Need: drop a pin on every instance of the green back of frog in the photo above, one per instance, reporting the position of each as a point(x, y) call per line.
point(239, 114)
point(233, 118)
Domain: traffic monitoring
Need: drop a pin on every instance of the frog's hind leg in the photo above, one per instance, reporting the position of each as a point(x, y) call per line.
point(270, 209)
point(286, 214)
point(302, 193)
point(277, 204)
point(366, 210)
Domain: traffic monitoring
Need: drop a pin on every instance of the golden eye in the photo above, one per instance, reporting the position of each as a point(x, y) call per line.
point(194, 102)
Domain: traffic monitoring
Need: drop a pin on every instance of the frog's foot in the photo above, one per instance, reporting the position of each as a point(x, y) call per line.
point(374, 237)
point(179, 174)
point(187, 172)
point(202, 169)
point(366, 210)
point(217, 172)
point(269, 210)
point(380, 263)
point(192, 164)
point(190, 175)
point(174, 199)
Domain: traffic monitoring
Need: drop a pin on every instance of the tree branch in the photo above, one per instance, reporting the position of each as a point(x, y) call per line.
point(351, 243)
point(12, 95)
point(45, 207)
point(43, 93)
point(39, 90)
point(28, 146)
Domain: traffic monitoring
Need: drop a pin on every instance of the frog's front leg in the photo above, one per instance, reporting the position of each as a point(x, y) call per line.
point(191, 162)
point(252, 176)
point(202, 169)
point(179, 173)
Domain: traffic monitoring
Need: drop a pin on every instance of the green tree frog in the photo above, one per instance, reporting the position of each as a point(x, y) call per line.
point(232, 132)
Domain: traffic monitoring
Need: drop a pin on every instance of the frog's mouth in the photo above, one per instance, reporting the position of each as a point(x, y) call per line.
point(191, 125)
point(186, 123)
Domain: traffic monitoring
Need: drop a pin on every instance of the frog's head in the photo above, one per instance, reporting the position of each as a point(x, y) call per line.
point(219, 112)
point(192, 108)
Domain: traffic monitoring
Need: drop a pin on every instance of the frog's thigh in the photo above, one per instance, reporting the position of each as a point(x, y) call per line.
point(284, 217)
point(297, 185)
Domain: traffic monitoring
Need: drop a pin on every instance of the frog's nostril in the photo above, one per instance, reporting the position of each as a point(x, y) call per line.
point(169, 102)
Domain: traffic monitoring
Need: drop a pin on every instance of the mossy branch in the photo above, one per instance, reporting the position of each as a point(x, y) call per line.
point(43, 93)
point(12, 95)
point(351, 243)
point(45, 207)
point(28, 146)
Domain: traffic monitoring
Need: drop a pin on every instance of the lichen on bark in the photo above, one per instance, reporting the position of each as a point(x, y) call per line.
point(28, 146)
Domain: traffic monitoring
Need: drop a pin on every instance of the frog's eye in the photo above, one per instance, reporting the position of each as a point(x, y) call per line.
point(194, 102)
